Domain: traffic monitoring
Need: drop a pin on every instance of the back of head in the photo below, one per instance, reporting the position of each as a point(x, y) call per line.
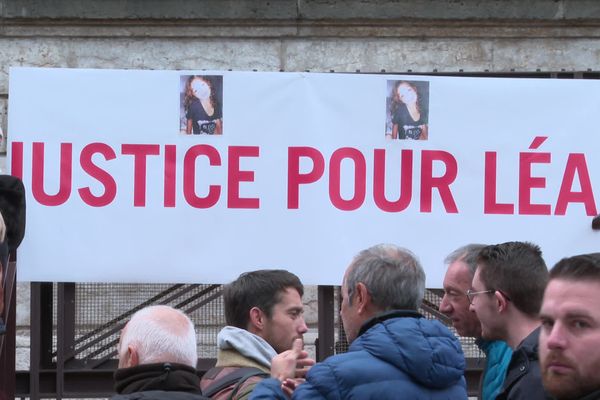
point(584, 267)
point(262, 289)
point(518, 270)
point(161, 334)
point(468, 254)
point(393, 276)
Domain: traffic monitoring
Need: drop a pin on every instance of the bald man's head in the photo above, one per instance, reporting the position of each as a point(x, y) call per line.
point(158, 334)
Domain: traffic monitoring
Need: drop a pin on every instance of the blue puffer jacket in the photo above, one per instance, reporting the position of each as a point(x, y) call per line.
point(398, 355)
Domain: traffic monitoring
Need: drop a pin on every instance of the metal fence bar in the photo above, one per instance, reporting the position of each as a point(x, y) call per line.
point(65, 335)
point(129, 313)
point(326, 322)
point(118, 326)
point(61, 339)
point(96, 340)
point(196, 296)
point(8, 340)
point(204, 302)
point(41, 327)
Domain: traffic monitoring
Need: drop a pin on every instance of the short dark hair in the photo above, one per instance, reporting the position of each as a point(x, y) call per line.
point(583, 267)
point(262, 289)
point(518, 270)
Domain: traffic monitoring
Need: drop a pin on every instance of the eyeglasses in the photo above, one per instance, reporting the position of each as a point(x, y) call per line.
point(471, 294)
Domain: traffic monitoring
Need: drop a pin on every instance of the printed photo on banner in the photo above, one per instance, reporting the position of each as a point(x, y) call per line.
point(201, 104)
point(407, 110)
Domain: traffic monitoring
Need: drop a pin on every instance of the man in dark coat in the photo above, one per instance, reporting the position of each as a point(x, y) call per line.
point(570, 334)
point(12, 228)
point(506, 295)
point(157, 357)
point(394, 352)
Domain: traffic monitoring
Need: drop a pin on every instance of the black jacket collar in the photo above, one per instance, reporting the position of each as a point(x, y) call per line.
point(161, 376)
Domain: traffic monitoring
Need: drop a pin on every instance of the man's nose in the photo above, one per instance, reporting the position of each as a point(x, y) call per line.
point(556, 337)
point(302, 328)
point(445, 306)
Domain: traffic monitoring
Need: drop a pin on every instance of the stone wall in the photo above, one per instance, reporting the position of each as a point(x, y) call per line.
point(295, 35)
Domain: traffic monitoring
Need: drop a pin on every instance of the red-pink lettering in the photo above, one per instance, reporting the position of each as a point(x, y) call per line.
point(16, 163)
point(360, 178)
point(406, 170)
point(189, 176)
point(442, 183)
point(295, 178)
point(110, 186)
point(140, 153)
point(537, 142)
point(528, 182)
point(576, 165)
point(490, 204)
point(37, 176)
point(235, 176)
point(170, 175)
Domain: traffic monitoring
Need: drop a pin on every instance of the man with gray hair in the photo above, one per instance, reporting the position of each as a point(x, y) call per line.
point(394, 352)
point(157, 357)
point(462, 264)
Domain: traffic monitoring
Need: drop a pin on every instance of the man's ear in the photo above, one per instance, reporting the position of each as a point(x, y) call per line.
point(362, 298)
point(130, 358)
point(256, 320)
point(501, 301)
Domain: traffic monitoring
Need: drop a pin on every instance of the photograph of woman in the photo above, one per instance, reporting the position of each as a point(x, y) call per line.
point(202, 100)
point(408, 105)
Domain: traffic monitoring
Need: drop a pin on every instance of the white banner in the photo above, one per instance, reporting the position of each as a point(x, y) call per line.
point(187, 176)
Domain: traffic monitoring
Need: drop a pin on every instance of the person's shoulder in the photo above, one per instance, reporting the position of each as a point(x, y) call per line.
point(423, 326)
point(269, 388)
point(158, 395)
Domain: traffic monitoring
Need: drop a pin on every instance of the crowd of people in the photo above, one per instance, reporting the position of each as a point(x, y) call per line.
point(539, 330)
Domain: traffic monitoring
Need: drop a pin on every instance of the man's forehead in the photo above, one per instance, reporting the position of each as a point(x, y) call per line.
point(571, 295)
point(287, 294)
point(477, 279)
point(458, 272)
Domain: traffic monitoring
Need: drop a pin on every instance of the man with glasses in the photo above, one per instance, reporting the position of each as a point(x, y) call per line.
point(462, 264)
point(506, 295)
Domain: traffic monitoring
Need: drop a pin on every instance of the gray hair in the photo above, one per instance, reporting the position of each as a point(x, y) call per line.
point(467, 254)
point(161, 334)
point(393, 276)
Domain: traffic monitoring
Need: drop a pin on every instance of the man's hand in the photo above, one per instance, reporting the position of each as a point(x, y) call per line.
point(289, 385)
point(292, 363)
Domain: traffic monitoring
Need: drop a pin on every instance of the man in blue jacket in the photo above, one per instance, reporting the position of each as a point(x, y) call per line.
point(394, 352)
